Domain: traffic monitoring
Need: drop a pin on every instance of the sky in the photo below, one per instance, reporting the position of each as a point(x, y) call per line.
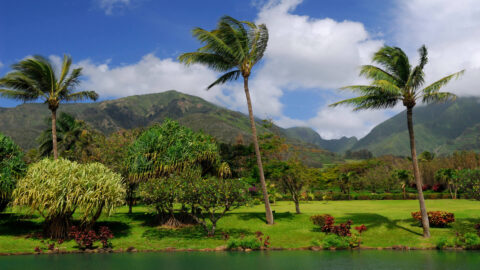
point(129, 47)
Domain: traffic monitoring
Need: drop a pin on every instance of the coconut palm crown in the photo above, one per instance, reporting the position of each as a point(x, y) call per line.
point(234, 48)
point(394, 80)
point(35, 78)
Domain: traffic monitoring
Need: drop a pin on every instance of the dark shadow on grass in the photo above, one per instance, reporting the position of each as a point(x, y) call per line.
point(261, 216)
point(119, 229)
point(17, 225)
point(192, 232)
point(375, 220)
point(147, 219)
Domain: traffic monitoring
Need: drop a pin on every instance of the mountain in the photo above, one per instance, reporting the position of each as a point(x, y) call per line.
point(311, 136)
point(25, 122)
point(439, 128)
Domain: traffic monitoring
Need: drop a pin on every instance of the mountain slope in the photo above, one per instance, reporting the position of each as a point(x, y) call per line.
point(311, 136)
point(439, 128)
point(25, 122)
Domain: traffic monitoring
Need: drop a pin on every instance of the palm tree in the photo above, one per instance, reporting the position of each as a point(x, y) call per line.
point(35, 78)
point(394, 80)
point(234, 47)
point(69, 132)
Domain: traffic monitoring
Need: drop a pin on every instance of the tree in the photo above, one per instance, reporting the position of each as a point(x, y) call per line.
point(12, 167)
point(35, 78)
point(57, 188)
point(69, 132)
point(395, 80)
point(403, 176)
point(234, 47)
point(211, 198)
point(450, 176)
point(292, 175)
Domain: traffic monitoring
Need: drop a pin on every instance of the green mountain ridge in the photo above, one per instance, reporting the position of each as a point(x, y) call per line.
point(309, 135)
point(439, 128)
point(25, 122)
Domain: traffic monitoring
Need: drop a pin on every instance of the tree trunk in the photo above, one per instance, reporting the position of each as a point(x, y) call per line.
point(297, 207)
point(54, 134)
point(268, 210)
point(416, 173)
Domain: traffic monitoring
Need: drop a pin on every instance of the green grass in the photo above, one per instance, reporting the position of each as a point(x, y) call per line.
point(389, 223)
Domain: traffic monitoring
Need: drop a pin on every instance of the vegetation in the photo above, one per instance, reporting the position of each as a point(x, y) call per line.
point(36, 78)
point(393, 81)
point(12, 167)
point(57, 189)
point(234, 47)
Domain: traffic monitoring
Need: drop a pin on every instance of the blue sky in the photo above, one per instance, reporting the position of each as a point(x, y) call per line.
point(315, 47)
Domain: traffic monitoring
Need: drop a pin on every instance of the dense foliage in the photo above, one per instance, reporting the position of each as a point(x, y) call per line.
point(12, 167)
point(57, 189)
point(437, 218)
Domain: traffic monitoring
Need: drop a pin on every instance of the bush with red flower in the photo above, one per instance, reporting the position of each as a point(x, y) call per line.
point(436, 218)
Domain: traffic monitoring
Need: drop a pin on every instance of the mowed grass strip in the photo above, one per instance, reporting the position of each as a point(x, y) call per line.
point(389, 223)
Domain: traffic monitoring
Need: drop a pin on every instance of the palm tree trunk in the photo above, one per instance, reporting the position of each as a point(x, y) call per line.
point(416, 173)
point(54, 134)
point(268, 210)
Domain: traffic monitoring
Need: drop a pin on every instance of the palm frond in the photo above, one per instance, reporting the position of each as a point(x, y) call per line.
point(438, 97)
point(376, 73)
point(213, 43)
point(70, 83)
point(230, 76)
point(260, 45)
point(369, 102)
point(213, 61)
point(395, 62)
point(435, 87)
point(67, 62)
point(83, 95)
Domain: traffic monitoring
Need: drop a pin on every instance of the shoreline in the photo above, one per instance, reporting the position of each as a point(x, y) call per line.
point(224, 249)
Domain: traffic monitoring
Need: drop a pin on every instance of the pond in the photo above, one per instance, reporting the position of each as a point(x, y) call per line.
point(278, 260)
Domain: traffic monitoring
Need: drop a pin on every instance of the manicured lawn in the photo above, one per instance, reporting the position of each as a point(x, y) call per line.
point(389, 223)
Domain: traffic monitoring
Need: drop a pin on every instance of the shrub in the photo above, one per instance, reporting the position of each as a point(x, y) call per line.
point(56, 189)
point(320, 220)
point(468, 241)
point(477, 227)
point(86, 238)
point(438, 187)
point(444, 242)
point(360, 229)
point(436, 218)
point(335, 241)
point(245, 243)
point(12, 167)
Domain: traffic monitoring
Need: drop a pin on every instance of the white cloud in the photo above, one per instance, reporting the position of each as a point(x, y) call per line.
point(150, 75)
point(451, 32)
point(111, 6)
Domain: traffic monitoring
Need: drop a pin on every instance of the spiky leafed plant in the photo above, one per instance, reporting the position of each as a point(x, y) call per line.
point(69, 132)
point(35, 78)
point(234, 47)
point(395, 80)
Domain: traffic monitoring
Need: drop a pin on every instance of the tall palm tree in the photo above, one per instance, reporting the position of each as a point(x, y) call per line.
point(69, 132)
point(234, 47)
point(394, 80)
point(35, 78)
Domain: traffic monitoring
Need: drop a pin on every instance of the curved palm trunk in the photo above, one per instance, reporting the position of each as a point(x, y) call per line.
point(54, 134)
point(416, 173)
point(268, 210)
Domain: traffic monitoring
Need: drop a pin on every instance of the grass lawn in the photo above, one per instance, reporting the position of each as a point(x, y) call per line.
point(389, 223)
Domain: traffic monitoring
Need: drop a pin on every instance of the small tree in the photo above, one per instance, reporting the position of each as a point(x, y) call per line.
point(12, 167)
point(56, 190)
point(404, 177)
point(470, 182)
point(292, 175)
point(211, 198)
point(451, 177)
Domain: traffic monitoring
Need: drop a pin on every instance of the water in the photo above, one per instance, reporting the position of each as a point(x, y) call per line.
point(278, 260)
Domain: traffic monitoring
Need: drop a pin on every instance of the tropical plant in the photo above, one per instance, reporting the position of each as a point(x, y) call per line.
point(69, 132)
point(56, 189)
point(403, 177)
point(35, 78)
point(234, 47)
point(395, 80)
point(451, 177)
point(12, 167)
